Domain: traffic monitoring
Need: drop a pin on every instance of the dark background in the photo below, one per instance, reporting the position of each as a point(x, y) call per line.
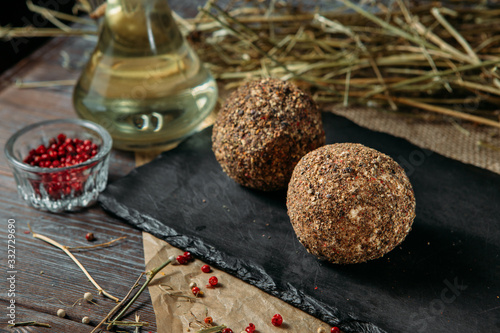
point(16, 14)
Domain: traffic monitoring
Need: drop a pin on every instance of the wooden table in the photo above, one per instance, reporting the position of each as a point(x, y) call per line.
point(46, 278)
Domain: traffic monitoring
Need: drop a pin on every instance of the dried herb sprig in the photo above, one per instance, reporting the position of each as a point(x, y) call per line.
point(137, 319)
point(170, 292)
point(213, 329)
point(44, 84)
point(118, 306)
point(54, 16)
point(150, 275)
point(8, 32)
point(257, 48)
point(129, 323)
point(65, 250)
point(405, 53)
point(106, 244)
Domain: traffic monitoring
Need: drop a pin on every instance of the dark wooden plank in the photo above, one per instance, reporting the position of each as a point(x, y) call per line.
point(46, 278)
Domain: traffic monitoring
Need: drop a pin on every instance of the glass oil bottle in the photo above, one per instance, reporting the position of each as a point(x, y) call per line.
point(143, 82)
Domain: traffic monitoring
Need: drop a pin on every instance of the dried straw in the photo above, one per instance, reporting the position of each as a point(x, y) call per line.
point(407, 56)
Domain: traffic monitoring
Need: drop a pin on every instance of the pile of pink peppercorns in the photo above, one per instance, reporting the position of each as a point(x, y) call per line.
point(61, 152)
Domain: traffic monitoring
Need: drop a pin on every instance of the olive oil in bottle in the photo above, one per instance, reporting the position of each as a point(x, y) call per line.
point(143, 82)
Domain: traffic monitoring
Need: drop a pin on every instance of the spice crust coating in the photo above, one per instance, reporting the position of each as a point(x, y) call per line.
point(349, 203)
point(263, 130)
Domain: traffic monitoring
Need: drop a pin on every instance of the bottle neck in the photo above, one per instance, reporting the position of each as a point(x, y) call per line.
point(140, 27)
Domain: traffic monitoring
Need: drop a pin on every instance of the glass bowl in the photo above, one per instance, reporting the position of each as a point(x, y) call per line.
point(52, 187)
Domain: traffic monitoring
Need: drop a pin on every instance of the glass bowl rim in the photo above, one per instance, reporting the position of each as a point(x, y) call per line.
point(107, 143)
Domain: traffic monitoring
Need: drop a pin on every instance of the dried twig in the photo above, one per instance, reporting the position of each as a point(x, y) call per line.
point(485, 144)
point(262, 52)
point(213, 329)
point(151, 274)
point(43, 84)
point(63, 16)
point(7, 33)
point(433, 75)
point(137, 319)
point(437, 14)
point(443, 111)
point(117, 306)
point(65, 249)
point(449, 112)
point(179, 294)
point(96, 245)
point(387, 26)
point(129, 323)
point(98, 12)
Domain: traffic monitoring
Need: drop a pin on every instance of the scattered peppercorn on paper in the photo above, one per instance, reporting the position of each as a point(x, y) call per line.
point(176, 313)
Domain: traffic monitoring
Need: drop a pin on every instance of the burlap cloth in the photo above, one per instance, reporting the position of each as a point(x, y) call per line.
point(236, 303)
point(465, 142)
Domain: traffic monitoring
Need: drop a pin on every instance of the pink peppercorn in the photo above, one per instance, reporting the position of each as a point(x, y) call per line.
point(277, 320)
point(181, 260)
point(188, 256)
point(213, 281)
point(250, 328)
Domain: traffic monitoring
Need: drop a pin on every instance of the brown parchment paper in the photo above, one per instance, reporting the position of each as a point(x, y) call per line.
point(233, 303)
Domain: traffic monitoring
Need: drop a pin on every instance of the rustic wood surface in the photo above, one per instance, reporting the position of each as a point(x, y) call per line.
point(46, 278)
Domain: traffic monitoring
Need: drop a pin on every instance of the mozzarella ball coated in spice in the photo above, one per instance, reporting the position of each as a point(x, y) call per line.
point(263, 130)
point(349, 203)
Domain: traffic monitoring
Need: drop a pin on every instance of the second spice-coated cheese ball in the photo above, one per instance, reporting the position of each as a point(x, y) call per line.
point(349, 203)
point(263, 130)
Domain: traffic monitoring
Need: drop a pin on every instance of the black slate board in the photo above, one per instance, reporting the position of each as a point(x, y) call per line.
point(445, 277)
